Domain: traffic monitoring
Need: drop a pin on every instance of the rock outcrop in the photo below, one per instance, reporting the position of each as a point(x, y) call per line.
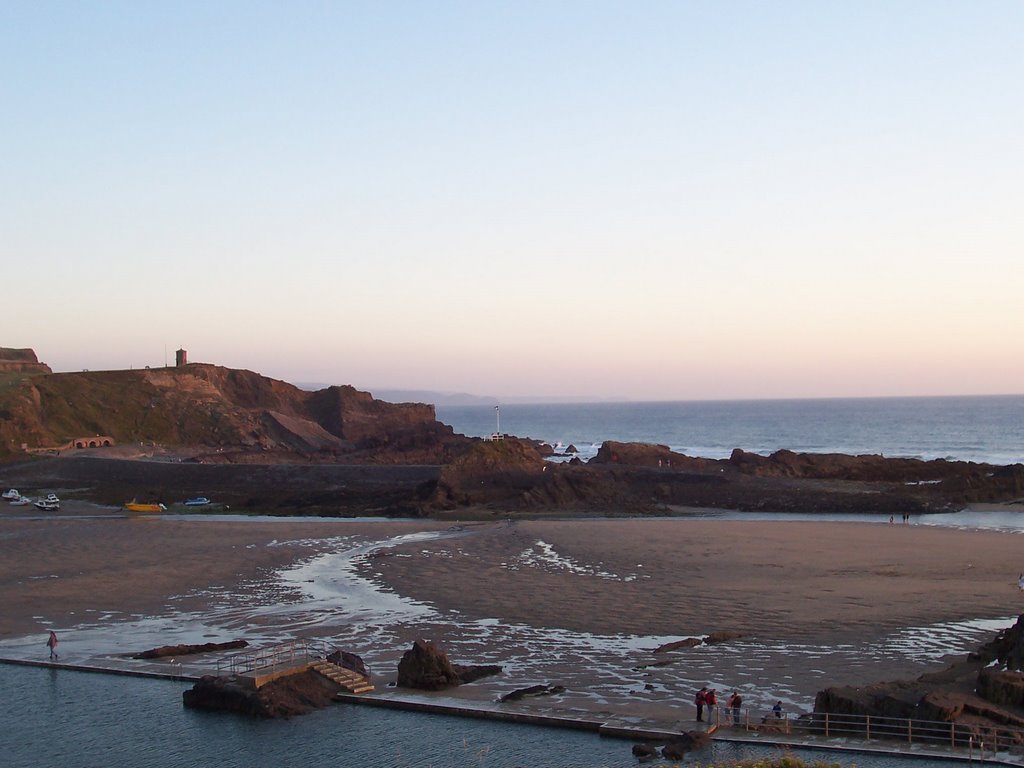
point(426, 667)
point(21, 361)
point(686, 742)
point(287, 696)
point(977, 695)
point(532, 691)
point(166, 651)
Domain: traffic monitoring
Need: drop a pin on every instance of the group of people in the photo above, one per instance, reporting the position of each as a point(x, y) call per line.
point(707, 698)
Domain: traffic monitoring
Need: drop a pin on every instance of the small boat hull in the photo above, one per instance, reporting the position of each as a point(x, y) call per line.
point(47, 506)
point(133, 506)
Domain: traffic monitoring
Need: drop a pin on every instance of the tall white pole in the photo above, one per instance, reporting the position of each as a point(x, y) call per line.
point(497, 416)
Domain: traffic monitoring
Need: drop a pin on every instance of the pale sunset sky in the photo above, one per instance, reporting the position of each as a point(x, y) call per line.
point(648, 200)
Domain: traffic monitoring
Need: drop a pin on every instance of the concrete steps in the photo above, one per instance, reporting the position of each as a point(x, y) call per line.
point(348, 679)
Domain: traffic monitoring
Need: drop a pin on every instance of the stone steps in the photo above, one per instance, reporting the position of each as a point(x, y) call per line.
point(348, 679)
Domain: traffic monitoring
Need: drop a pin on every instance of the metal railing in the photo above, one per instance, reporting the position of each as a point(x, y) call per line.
point(292, 653)
point(976, 739)
point(973, 736)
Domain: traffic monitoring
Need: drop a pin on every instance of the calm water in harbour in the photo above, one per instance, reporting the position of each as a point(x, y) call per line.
point(984, 429)
point(64, 718)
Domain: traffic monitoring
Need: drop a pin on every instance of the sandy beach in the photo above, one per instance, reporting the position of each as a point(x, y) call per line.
point(582, 603)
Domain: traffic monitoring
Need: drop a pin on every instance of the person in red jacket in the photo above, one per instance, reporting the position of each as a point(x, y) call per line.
point(711, 699)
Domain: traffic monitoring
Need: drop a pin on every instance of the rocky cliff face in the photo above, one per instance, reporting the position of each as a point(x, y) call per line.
point(220, 413)
point(21, 361)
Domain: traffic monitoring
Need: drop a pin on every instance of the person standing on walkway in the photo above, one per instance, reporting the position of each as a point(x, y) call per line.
point(777, 710)
point(711, 698)
point(700, 700)
point(735, 703)
point(51, 643)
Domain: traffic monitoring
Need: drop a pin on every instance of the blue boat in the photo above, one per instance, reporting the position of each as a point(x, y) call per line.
point(198, 501)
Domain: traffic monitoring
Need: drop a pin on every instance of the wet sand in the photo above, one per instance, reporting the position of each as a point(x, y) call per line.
point(582, 603)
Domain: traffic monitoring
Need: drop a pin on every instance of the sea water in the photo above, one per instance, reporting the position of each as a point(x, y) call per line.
point(55, 717)
point(983, 429)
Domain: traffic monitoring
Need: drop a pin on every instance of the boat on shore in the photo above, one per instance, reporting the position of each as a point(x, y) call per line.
point(135, 506)
point(47, 506)
point(11, 494)
point(198, 501)
point(21, 501)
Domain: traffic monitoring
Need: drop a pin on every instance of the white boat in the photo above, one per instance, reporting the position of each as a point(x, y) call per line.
point(21, 501)
point(11, 495)
point(52, 499)
point(47, 506)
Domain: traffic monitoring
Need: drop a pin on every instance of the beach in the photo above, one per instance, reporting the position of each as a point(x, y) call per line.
point(582, 603)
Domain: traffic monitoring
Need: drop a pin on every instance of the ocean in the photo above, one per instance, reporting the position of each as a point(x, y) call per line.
point(987, 429)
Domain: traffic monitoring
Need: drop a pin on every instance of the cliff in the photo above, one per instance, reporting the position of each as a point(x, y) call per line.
point(219, 414)
point(21, 362)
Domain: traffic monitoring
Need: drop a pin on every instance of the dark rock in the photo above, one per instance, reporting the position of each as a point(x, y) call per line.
point(1003, 687)
point(647, 455)
point(185, 650)
point(685, 742)
point(722, 636)
point(287, 696)
point(469, 673)
point(645, 752)
point(533, 690)
point(426, 667)
point(689, 642)
point(349, 661)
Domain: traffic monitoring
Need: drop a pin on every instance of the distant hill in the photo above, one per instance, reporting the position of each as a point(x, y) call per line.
point(417, 396)
point(218, 413)
point(464, 398)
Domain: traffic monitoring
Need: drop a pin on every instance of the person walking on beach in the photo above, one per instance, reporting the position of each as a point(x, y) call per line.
point(700, 700)
point(777, 710)
point(51, 643)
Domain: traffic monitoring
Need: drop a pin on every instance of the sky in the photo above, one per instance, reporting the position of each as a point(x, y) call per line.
point(643, 200)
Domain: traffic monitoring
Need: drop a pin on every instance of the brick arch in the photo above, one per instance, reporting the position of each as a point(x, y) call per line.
point(94, 441)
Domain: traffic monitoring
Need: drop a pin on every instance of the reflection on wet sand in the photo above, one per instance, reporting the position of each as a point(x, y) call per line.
point(341, 590)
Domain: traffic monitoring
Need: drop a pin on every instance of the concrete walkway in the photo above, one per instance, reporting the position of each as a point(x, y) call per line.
point(633, 729)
